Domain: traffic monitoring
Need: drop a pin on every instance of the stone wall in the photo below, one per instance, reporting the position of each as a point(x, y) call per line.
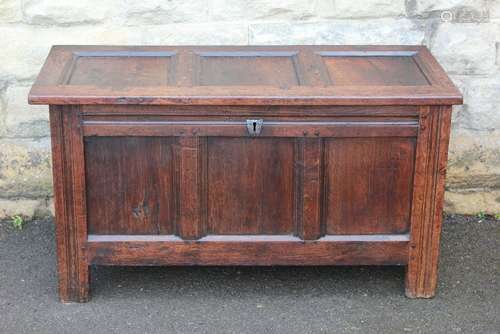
point(464, 35)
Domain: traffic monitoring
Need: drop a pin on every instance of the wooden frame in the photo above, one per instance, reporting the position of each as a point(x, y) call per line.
point(69, 193)
point(428, 198)
point(189, 138)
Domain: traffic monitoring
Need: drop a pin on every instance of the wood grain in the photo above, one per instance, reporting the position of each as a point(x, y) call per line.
point(383, 69)
point(106, 69)
point(369, 185)
point(250, 184)
point(69, 201)
point(243, 75)
point(191, 187)
point(276, 250)
point(233, 128)
point(309, 187)
point(130, 185)
point(428, 198)
point(246, 68)
point(142, 112)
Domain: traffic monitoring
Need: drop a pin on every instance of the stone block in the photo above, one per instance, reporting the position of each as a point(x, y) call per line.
point(465, 48)
point(24, 120)
point(49, 12)
point(472, 201)
point(195, 34)
point(235, 10)
point(458, 11)
point(23, 207)
point(361, 9)
point(25, 168)
point(3, 108)
point(10, 11)
point(474, 160)
point(481, 109)
point(165, 12)
point(381, 31)
point(494, 10)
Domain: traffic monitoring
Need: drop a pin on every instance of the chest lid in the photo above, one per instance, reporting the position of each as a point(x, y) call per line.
point(243, 75)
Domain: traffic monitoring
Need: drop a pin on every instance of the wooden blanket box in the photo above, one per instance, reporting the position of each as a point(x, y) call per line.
point(247, 155)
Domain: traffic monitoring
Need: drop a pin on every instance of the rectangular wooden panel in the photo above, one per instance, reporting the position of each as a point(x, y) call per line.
point(373, 68)
point(130, 187)
point(250, 185)
point(122, 69)
point(368, 185)
point(248, 250)
point(247, 68)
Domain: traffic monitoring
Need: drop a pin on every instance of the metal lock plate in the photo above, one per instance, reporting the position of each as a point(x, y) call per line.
point(254, 126)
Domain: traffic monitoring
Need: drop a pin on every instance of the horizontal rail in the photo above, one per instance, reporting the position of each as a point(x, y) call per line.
point(247, 250)
point(238, 128)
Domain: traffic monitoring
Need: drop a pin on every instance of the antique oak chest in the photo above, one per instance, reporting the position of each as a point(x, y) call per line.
point(276, 155)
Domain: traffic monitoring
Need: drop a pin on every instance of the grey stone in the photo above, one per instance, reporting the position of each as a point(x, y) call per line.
point(381, 31)
point(481, 110)
point(361, 9)
point(165, 12)
point(230, 10)
point(68, 12)
point(473, 160)
point(472, 201)
point(18, 207)
point(25, 168)
point(3, 108)
point(24, 120)
point(498, 55)
point(464, 11)
point(195, 34)
point(465, 48)
point(494, 10)
point(10, 11)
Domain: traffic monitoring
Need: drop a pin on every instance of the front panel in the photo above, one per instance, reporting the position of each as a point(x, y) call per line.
point(250, 185)
point(368, 185)
point(130, 187)
point(307, 179)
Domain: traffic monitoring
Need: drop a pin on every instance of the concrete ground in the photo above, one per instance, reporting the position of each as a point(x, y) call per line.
point(252, 299)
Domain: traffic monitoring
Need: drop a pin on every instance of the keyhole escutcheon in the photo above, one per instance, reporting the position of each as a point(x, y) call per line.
point(254, 126)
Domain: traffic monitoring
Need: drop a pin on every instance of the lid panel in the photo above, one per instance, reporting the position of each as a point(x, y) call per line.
point(358, 69)
point(247, 68)
point(121, 69)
